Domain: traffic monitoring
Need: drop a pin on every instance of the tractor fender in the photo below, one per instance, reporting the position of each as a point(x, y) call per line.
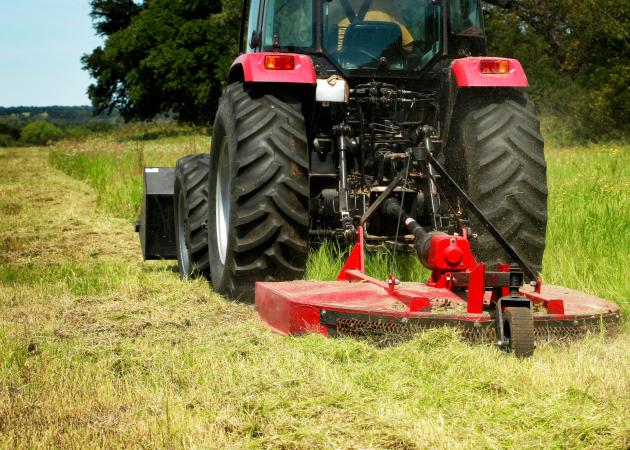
point(468, 73)
point(251, 68)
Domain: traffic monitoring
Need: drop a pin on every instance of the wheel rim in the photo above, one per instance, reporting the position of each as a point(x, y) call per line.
point(223, 202)
point(184, 256)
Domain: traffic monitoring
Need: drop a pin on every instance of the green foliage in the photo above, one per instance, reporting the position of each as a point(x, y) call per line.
point(577, 55)
point(40, 133)
point(10, 130)
point(9, 134)
point(59, 115)
point(172, 56)
point(164, 56)
point(113, 15)
point(7, 140)
point(74, 122)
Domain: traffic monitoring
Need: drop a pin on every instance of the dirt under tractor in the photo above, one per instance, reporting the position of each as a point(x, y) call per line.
point(372, 123)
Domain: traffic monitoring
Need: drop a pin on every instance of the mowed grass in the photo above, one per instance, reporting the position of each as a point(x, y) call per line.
point(98, 349)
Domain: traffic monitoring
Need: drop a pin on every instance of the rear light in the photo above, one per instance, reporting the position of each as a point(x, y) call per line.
point(279, 62)
point(495, 67)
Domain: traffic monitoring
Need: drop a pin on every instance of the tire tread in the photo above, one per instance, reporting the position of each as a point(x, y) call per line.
point(192, 175)
point(271, 191)
point(504, 171)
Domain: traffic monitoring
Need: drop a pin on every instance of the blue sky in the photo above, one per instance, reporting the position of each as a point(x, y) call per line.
point(41, 43)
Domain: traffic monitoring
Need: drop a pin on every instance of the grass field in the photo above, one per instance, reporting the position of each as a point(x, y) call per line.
point(98, 349)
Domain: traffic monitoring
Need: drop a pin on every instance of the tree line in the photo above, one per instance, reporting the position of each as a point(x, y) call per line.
point(164, 55)
point(40, 125)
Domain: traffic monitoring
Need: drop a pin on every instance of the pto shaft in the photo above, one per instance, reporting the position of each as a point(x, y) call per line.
point(436, 250)
point(391, 207)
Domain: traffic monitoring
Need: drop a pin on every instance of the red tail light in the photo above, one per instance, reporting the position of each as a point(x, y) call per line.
point(279, 62)
point(495, 67)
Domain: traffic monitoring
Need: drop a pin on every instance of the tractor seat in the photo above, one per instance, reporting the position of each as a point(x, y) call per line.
point(365, 42)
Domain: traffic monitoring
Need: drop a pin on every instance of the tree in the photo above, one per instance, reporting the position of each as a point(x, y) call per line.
point(172, 56)
point(162, 56)
point(577, 53)
point(111, 16)
point(40, 133)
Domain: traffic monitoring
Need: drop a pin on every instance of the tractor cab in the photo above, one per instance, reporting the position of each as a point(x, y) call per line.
point(402, 37)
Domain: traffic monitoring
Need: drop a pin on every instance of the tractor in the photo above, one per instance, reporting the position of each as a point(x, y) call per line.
point(377, 122)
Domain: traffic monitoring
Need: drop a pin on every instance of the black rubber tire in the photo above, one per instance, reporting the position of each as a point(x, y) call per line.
point(264, 139)
point(497, 154)
point(518, 327)
point(191, 215)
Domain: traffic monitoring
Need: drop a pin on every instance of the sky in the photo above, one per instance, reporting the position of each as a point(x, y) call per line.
point(41, 43)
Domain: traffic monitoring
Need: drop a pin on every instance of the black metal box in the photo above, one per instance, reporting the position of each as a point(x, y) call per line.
point(156, 224)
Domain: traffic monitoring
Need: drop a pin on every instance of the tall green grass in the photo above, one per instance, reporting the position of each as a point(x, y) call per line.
point(326, 260)
point(113, 165)
point(588, 236)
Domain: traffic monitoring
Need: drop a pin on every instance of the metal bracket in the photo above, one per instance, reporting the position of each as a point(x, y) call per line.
point(381, 198)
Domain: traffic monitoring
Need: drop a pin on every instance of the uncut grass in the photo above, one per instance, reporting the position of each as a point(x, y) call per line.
point(146, 360)
point(113, 164)
point(589, 221)
point(589, 207)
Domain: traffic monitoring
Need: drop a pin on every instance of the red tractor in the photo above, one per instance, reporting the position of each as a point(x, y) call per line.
point(369, 121)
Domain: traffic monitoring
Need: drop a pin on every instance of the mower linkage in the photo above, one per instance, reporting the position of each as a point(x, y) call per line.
point(465, 278)
point(451, 261)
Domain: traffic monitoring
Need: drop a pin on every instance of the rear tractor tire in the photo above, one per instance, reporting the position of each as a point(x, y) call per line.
point(191, 213)
point(258, 218)
point(497, 156)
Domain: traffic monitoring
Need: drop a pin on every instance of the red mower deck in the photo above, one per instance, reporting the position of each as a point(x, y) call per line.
point(339, 307)
point(358, 305)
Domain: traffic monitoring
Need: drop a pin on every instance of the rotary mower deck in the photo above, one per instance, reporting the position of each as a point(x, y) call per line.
point(484, 306)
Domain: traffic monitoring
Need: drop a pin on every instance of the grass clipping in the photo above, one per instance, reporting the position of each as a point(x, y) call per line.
point(98, 349)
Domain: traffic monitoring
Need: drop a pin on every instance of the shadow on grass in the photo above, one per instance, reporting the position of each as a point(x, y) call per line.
point(161, 266)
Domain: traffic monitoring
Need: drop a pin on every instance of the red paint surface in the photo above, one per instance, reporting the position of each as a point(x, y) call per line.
point(467, 73)
point(254, 70)
point(356, 260)
point(294, 307)
point(476, 289)
point(450, 253)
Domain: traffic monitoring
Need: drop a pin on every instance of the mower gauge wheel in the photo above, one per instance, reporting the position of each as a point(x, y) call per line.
point(518, 330)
